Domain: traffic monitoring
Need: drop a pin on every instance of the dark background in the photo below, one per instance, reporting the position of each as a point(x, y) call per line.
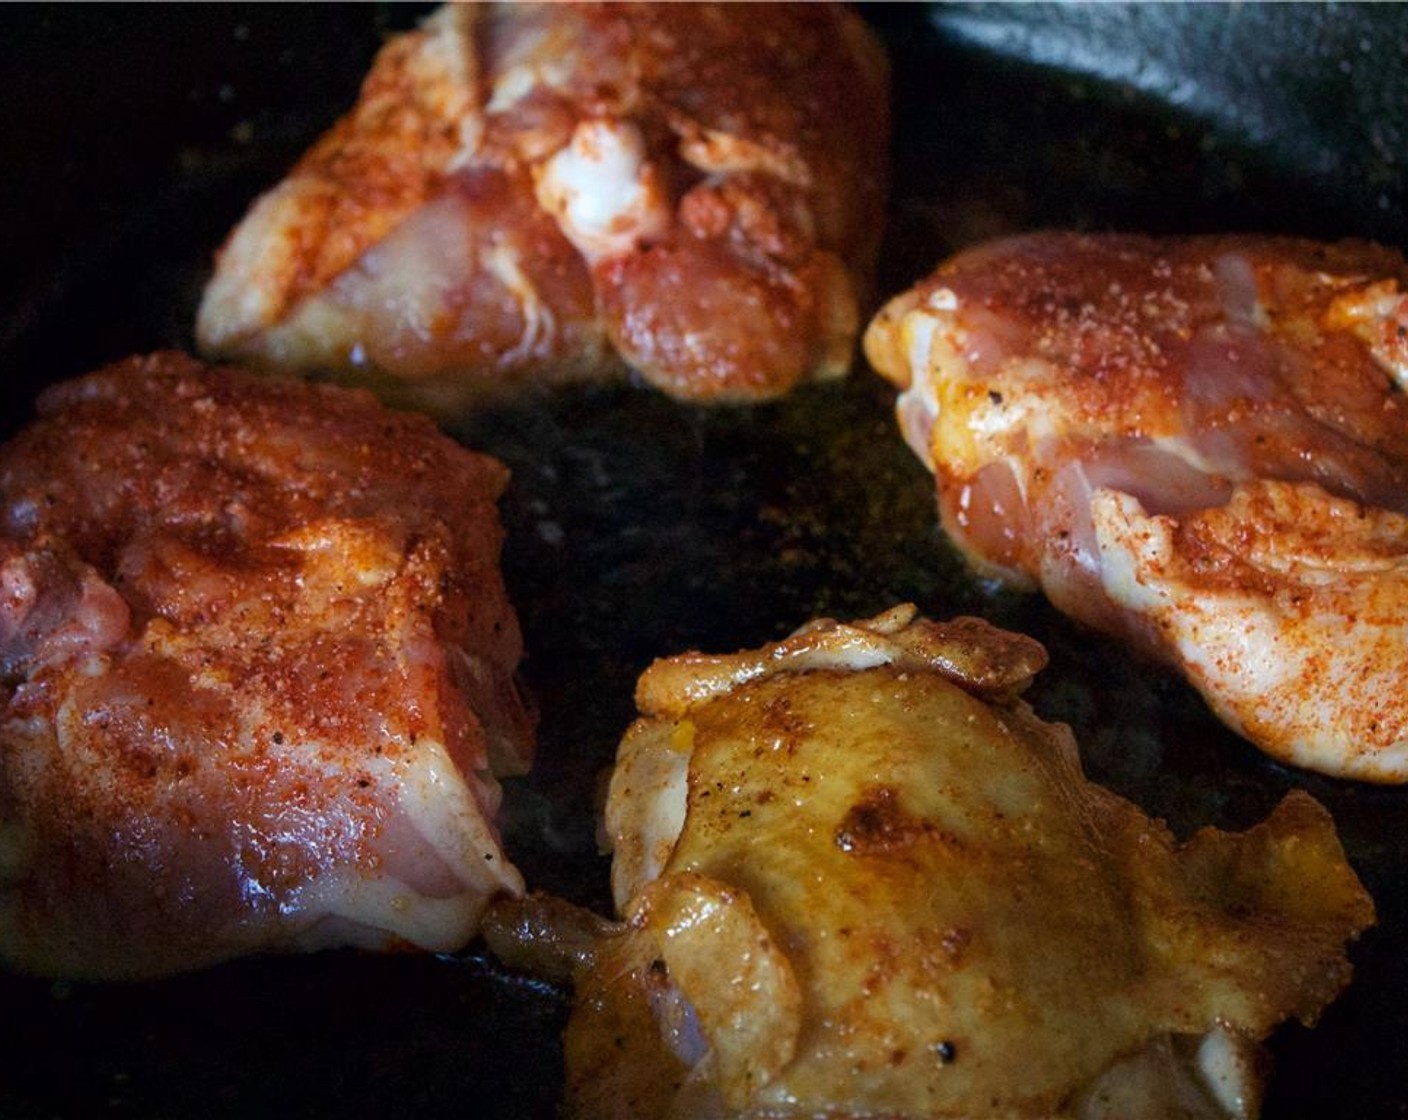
point(132, 137)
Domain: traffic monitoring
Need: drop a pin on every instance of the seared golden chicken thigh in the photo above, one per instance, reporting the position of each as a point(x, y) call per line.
point(550, 192)
point(1198, 444)
point(258, 675)
point(859, 877)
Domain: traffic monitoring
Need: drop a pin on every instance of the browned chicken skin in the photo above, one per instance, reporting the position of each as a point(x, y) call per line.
point(555, 192)
point(258, 675)
point(859, 877)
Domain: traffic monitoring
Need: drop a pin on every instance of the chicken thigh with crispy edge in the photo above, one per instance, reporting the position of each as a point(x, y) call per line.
point(859, 877)
point(556, 192)
point(1197, 444)
point(258, 675)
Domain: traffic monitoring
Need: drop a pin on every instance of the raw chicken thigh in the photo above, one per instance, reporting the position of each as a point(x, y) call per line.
point(258, 675)
point(1199, 445)
point(860, 877)
point(557, 192)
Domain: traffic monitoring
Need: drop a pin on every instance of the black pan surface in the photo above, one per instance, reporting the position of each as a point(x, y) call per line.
point(133, 137)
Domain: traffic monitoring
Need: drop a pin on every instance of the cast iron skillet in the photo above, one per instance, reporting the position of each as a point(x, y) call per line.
point(132, 137)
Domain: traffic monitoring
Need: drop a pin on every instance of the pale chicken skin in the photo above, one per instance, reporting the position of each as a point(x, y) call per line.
point(1199, 445)
point(549, 193)
point(859, 877)
point(258, 675)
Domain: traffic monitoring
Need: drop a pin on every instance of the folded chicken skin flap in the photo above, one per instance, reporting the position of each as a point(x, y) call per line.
point(258, 675)
point(858, 876)
point(539, 193)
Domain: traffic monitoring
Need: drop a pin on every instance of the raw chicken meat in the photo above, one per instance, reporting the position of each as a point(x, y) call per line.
point(859, 877)
point(555, 192)
point(258, 675)
point(1197, 444)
